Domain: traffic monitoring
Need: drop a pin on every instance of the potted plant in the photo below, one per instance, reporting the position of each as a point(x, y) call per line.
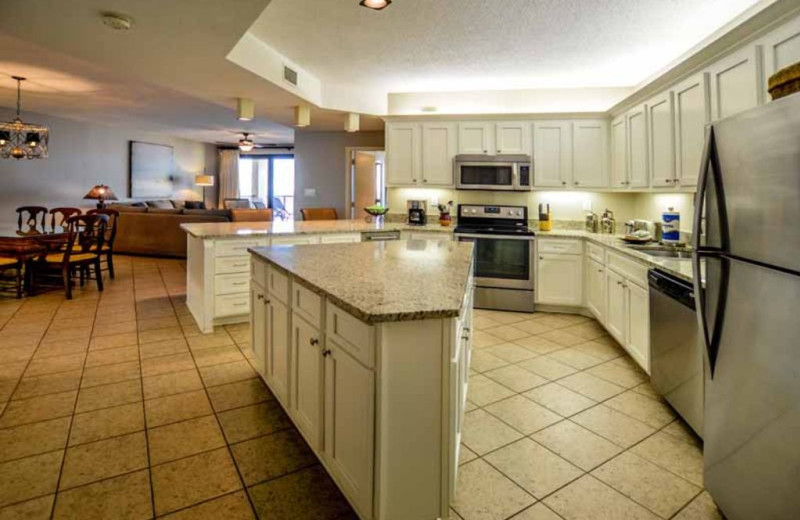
point(444, 213)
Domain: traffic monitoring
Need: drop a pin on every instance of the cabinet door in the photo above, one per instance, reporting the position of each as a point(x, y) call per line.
point(637, 148)
point(638, 305)
point(559, 279)
point(476, 137)
point(781, 49)
point(402, 154)
point(590, 154)
point(349, 424)
point(307, 380)
point(661, 149)
point(616, 313)
point(258, 326)
point(619, 153)
point(595, 288)
point(513, 137)
point(552, 153)
point(438, 150)
point(692, 108)
point(277, 351)
point(736, 83)
point(295, 240)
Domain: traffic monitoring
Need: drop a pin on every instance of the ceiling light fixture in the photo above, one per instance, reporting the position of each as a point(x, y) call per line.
point(245, 109)
point(352, 122)
point(117, 21)
point(246, 144)
point(376, 5)
point(302, 116)
point(18, 139)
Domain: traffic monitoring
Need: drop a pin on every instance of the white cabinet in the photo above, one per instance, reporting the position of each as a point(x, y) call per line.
point(513, 137)
point(589, 153)
point(736, 82)
point(637, 148)
point(619, 153)
point(475, 137)
point(692, 113)
point(438, 149)
point(340, 238)
point(258, 326)
point(661, 149)
point(559, 272)
point(616, 312)
point(781, 49)
point(295, 240)
point(552, 153)
point(277, 348)
point(307, 380)
point(349, 424)
point(403, 153)
point(596, 288)
point(638, 305)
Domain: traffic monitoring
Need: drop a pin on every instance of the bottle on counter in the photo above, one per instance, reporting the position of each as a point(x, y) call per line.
point(671, 226)
point(608, 224)
point(545, 218)
point(592, 222)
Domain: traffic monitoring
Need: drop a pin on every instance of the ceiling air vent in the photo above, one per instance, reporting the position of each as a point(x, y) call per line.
point(290, 75)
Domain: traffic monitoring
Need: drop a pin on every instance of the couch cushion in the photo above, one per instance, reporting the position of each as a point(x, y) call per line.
point(194, 204)
point(165, 211)
point(124, 208)
point(208, 212)
point(160, 204)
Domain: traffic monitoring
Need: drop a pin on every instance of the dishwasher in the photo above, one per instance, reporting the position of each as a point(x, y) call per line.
point(676, 353)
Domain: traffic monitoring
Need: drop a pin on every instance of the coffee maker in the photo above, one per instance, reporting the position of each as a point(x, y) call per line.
point(417, 212)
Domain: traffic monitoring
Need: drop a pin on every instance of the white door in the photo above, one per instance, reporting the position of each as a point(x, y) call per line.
point(661, 140)
point(438, 150)
point(552, 153)
point(559, 279)
point(349, 424)
point(513, 137)
point(258, 326)
point(736, 82)
point(277, 351)
point(402, 154)
point(692, 108)
point(307, 380)
point(590, 154)
point(476, 138)
point(781, 49)
point(616, 313)
point(637, 148)
point(638, 304)
point(619, 153)
point(595, 288)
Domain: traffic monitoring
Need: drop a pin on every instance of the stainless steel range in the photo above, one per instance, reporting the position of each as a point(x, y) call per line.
point(503, 255)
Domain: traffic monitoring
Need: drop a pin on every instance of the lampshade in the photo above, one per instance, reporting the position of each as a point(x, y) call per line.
point(204, 180)
point(100, 192)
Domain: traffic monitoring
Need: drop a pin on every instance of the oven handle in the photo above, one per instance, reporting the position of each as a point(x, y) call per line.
point(495, 237)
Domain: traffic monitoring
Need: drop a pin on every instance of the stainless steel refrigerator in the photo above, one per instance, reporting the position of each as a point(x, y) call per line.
point(749, 310)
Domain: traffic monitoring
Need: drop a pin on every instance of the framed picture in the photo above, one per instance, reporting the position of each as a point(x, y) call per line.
point(150, 171)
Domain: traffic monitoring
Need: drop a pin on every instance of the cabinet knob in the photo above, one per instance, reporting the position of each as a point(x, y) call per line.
point(564, 183)
point(576, 183)
point(499, 151)
point(619, 283)
point(424, 180)
point(486, 151)
point(541, 258)
point(326, 352)
point(260, 296)
point(313, 341)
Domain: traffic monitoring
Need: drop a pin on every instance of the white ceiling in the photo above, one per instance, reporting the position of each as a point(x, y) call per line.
point(451, 45)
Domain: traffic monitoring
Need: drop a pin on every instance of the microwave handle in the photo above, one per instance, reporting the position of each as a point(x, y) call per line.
point(515, 175)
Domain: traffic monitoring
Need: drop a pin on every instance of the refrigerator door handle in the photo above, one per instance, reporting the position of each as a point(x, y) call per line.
point(711, 333)
point(710, 169)
point(702, 184)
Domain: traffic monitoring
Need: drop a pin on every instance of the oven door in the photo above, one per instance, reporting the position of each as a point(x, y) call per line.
point(501, 261)
point(487, 176)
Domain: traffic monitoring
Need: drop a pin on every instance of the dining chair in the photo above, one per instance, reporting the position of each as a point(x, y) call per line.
point(107, 250)
point(7, 264)
point(79, 253)
point(319, 213)
point(30, 219)
point(59, 216)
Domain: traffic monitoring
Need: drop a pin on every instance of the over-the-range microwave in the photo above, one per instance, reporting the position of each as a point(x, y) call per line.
point(494, 172)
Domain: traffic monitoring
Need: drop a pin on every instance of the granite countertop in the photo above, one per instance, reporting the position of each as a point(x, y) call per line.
point(382, 281)
point(234, 229)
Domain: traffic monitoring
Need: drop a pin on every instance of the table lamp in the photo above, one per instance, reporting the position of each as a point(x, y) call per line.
point(101, 193)
point(204, 180)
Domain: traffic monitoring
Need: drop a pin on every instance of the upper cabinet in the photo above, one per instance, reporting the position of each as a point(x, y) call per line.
point(438, 149)
point(513, 137)
point(619, 152)
point(420, 154)
point(589, 153)
point(736, 83)
point(661, 146)
point(637, 148)
point(493, 138)
point(403, 153)
point(552, 153)
point(692, 113)
point(781, 49)
point(475, 137)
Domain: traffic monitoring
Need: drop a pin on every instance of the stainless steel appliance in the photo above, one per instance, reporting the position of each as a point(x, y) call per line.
point(379, 236)
point(503, 255)
point(494, 172)
point(749, 193)
point(417, 212)
point(676, 355)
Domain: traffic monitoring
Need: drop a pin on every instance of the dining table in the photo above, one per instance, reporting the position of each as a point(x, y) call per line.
point(27, 246)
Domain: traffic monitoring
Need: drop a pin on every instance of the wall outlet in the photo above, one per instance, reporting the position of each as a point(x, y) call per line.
point(587, 205)
point(310, 193)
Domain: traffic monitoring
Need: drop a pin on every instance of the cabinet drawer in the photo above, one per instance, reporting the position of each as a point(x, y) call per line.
point(258, 272)
point(235, 247)
point(231, 283)
point(630, 269)
point(596, 252)
point(348, 238)
point(353, 335)
point(307, 303)
point(561, 247)
point(278, 284)
point(431, 235)
point(292, 240)
point(231, 264)
point(232, 304)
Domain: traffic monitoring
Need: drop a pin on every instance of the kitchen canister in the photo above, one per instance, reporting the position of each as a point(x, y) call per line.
point(671, 229)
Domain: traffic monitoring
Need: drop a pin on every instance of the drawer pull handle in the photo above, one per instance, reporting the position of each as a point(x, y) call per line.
point(313, 341)
point(260, 296)
point(238, 283)
point(240, 304)
point(326, 352)
point(239, 265)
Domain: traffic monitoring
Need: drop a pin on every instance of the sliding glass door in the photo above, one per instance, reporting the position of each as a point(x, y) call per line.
point(268, 181)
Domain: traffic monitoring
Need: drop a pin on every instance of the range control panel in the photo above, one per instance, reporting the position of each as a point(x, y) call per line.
point(504, 212)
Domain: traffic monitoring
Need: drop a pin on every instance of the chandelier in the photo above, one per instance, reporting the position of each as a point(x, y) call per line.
point(18, 139)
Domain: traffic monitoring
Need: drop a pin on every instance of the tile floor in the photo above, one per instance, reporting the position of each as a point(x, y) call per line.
point(113, 405)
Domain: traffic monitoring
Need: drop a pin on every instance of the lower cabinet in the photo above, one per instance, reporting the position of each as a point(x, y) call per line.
point(596, 289)
point(277, 348)
point(258, 327)
point(616, 308)
point(307, 380)
point(559, 279)
point(628, 316)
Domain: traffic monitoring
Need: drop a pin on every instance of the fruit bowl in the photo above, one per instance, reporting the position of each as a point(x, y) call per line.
point(376, 211)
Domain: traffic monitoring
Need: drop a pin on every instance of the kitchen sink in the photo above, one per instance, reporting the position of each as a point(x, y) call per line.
point(665, 253)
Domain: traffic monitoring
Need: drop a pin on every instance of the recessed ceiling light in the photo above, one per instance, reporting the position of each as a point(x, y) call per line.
point(117, 21)
point(375, 4)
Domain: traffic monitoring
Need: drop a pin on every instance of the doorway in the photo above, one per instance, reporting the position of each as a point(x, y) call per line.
point(366, 179)
point(268, 181)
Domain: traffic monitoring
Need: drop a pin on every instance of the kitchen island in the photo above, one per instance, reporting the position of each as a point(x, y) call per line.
point(366, 346)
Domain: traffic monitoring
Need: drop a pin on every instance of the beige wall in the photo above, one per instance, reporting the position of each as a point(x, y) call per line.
point(82, 155)
point(320, 164)
point(650, 206)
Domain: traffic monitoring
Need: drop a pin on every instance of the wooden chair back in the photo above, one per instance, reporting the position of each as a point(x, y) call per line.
point(30, 219)
point(111, 227)
point(319, 214)
point(251, 215)
point(59, 216)
point(90, 229)
point(58, 243)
